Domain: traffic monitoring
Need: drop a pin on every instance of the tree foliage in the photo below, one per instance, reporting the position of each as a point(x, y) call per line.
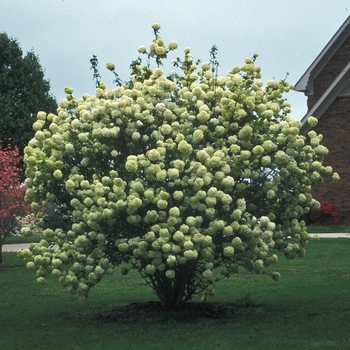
point(11, 192)
point(186, 178)
point(23, 92)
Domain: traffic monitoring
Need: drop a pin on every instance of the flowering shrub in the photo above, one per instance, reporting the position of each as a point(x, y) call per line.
point(28, 225)
point(187, 177)
point(326, 214)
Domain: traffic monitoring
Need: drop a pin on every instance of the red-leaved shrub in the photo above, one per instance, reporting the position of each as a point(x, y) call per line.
point(327, 214)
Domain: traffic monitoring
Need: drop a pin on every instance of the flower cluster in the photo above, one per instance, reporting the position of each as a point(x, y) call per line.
point(177, 175)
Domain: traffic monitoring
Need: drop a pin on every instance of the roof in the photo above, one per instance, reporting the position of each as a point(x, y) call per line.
point(337, 86)
point(305, 83)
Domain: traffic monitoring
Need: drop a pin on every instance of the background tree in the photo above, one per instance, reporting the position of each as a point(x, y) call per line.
point(11, 192)
point(24, 92)
point(186, 178)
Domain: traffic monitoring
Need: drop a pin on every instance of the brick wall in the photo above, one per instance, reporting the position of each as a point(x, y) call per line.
point(330, 72)
point(335, 127)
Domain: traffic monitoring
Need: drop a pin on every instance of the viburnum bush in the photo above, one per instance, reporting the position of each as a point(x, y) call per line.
point(326, 214)
point(186, 178)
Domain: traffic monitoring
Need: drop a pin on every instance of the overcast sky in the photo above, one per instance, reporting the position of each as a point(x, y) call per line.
point(287, 34)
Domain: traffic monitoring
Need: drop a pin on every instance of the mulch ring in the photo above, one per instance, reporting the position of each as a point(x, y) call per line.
point(190, 312)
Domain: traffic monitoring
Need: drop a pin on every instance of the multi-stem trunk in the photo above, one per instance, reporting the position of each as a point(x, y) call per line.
point(174, 293)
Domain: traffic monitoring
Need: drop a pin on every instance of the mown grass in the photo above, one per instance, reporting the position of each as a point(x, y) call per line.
point(20, 239)
point(309, 308)
point(328, 229)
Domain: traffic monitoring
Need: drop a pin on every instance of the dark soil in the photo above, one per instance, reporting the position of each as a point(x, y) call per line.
point(190, 312)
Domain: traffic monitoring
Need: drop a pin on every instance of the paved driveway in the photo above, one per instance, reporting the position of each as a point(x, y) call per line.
point(14, 247)
point(331, 235)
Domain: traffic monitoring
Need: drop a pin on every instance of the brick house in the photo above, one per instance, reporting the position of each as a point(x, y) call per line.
point(326, 83)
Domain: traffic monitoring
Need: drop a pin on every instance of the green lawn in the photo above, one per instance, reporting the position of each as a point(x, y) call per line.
point(328, 229)
point(309, 308)
point(17, 240)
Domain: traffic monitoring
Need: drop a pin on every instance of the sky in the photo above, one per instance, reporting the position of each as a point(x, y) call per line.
point(287, 34)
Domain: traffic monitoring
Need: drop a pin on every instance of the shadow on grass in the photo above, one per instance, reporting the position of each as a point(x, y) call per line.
point(190, 312)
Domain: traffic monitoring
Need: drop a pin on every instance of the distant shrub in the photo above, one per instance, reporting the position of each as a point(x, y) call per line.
point(29, 225)
point(327, 214)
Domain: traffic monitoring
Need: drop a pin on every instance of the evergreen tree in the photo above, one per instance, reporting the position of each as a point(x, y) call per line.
point(24, 92)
